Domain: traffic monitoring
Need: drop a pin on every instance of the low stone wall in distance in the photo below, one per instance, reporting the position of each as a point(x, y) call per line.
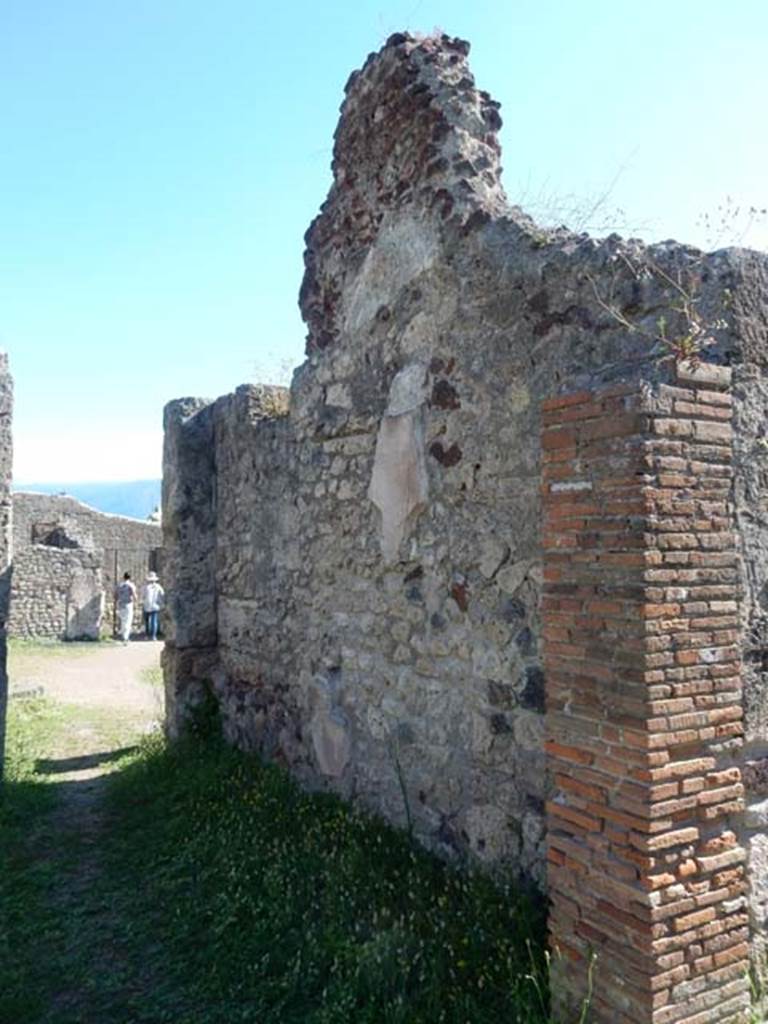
point(57, 593)
point(63, 553)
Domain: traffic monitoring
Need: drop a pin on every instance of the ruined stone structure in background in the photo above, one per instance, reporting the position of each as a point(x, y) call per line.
point(6, 467)
point(368, 585)
point(66, 557)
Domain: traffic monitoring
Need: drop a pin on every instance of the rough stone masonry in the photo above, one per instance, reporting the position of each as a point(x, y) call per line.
point(503, 566)
point(6, 466)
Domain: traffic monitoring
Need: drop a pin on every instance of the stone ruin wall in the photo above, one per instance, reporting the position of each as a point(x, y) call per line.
point(64, 556)
point(360, 581)
point(6, 511)
point(57, 594)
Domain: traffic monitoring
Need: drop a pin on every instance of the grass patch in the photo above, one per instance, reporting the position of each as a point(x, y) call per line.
point(22, 650)
point(26, 877)
point(96, 727)
point(311, 912)
point(223, 893)
point(152, 676)
point(31, 722)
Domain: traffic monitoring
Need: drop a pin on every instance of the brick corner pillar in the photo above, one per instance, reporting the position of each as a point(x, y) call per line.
point(641, 635)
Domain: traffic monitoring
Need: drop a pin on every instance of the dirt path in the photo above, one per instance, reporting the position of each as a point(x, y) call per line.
point(104, 675)
point(109, 695)
point(106, 697)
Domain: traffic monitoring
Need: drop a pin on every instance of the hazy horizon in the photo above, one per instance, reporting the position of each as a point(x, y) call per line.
point(133, 498)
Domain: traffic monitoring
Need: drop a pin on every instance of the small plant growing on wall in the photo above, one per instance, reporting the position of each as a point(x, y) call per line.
point(686, 332)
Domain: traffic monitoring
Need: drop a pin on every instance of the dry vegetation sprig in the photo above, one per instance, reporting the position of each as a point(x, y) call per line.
point(688, 341)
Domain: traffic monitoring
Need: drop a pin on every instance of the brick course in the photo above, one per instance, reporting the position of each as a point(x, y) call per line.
point(640, 627)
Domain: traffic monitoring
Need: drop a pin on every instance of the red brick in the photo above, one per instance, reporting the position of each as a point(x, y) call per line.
point(565, 401)
point(642, 654)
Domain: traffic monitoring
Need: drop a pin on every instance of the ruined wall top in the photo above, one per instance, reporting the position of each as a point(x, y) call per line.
point(414, 131)
point(84, 526)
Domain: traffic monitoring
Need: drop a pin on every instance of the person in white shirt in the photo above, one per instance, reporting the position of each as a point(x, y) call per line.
point(125, 596)
point(152, 597)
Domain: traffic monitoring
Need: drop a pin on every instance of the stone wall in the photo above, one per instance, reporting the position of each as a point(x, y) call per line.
point(66, 558)
point(360, 581)
point(6, 514)
point(57, 593)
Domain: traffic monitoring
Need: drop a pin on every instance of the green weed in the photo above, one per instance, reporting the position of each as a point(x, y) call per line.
point(220, 892)
point(152, 676)
point(42, 647)
point(309, 911)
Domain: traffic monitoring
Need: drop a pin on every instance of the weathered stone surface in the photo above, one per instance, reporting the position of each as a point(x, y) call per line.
point(189, 524)
point(76, 525)
point(188, 676)
point(511, 577)
point(85, 604)
point(57, 593)
point(756, 815)
point(756, 775)
point(6, 516)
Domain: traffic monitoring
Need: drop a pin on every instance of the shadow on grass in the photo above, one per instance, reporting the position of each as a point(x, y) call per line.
point(216, 891)
point(55, 766)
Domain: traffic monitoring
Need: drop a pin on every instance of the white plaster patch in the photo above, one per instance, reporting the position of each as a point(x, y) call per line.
point(85, 604)
point(404, 249)
point(331, 742)
point(571, 485)
point(408, 390)
point(399, 483)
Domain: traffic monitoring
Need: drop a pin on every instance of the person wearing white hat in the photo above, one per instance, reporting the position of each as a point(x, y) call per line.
point(152, 597)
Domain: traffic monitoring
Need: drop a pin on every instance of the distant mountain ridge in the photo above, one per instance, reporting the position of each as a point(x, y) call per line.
point(134, 498)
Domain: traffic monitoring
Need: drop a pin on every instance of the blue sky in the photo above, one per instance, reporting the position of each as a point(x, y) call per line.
point(162, 160)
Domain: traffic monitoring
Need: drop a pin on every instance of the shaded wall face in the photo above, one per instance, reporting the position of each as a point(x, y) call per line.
point(189, 533)
point(6, 512)
point(751, 523)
